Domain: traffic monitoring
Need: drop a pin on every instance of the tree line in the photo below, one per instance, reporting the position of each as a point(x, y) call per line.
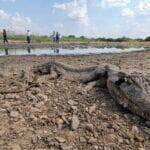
point(103, 39)
point(73, 38)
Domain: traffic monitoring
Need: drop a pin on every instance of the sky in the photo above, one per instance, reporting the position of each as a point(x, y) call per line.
point(92, 18)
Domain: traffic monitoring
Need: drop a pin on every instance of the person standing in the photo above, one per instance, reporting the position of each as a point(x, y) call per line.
point(54, 36)
point(5, 36)
point(57, 37)
point(28, 37)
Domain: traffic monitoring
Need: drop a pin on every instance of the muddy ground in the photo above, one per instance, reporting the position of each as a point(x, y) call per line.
point(68, 45)
point(57, 114)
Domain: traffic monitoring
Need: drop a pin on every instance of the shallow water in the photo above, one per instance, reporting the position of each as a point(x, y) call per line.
point(60, 51)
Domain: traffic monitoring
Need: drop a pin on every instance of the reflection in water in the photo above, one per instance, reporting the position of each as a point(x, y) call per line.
point(6, 51)
point(29, 50)
point(56, 50)
point(59, 51)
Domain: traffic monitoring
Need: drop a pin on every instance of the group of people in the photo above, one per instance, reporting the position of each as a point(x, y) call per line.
point(5, 39)
point(55, 36)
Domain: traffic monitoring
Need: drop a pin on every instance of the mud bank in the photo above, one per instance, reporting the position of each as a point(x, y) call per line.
point(68, 45)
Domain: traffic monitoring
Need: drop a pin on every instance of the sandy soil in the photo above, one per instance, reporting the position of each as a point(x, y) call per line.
point(58, 114)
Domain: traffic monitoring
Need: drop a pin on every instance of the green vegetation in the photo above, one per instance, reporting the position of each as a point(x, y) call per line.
point(34, 38)
point(148, 38)
point(40, 38)
point(72, 38)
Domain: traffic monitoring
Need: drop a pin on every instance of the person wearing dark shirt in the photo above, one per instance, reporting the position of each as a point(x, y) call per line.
point(28, 37)
point(57, 37)
point(5, 36)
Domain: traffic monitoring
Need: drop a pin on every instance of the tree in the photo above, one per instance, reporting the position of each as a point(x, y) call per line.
point(71, 36)
point(123, 39)
point(82, 37)
point(148, 38)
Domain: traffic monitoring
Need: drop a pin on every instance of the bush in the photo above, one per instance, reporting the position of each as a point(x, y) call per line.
point(147, 39)
point(100, 39)
point(71, 36)
point(123, 39)
point(139, 40)
point(40, 38)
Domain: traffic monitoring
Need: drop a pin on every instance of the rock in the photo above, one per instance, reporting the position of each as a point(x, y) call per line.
point(60, 139)
point(34, 110)
point(127, 141)
point(65, 119)
point(3, 110)
point(109, 125)
point(32, 117)
point(147, 123)
point(103, 104)
point(23, 76)
point(141, 149)
point(120, 140)
point(7, 106)
point(70, 137)
point(75, 122)
point(16, 147)
point(75, 109)
point(92, 109)
point(40, 104)
point(139, 138)
point(135, 129)
point(14, 114)
point(12, 96)
point(31, 97)
point(42, 97)
point(35, 139)
point(59, 122)
point(82, 140)
point(147, 131)
point(2, 132)
point(72, 103)
point(127, 116)
point(1, 97)
point(44, 117)
point(96, 147)
point(89, 127)
point(92, 140)
point(116, 127)
point(53, 75)
point(66, 147)
point(35, 91)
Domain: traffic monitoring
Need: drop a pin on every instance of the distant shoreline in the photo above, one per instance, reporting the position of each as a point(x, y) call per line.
point(70, 45)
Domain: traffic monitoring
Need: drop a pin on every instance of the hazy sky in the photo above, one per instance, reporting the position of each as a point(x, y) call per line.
point(109, 18)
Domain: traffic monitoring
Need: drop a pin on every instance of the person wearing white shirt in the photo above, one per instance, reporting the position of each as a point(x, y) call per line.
point(54, 36)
